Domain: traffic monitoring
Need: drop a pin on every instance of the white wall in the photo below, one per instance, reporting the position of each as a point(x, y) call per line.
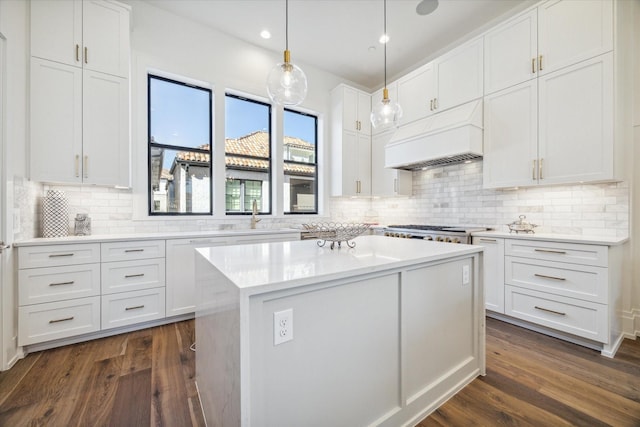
point(635, 223)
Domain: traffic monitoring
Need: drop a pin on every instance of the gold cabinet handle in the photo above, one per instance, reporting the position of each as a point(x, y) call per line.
point(549, 251)
point(134, 307)
point(540, 168)
point(533, 170)
point(134, 250)
point(544, 276)
point(59, 255)
point(431, 104)
point(550, 311)
point(540, 62)
point(435, 103)
point(482, 239)
point(128, 276)
point(395, 185)
point(77, 52)
point(86, 55)
point(533, 65)
point(77, 165)
point(61, 320)
point(61, 283)
point(85, 166)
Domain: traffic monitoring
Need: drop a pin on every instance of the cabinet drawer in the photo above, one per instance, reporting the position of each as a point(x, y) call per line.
point(126, 276)
point(126, 251)
point(581, 318)
point(570, 280)
point(132, 307)
point(39, 285)
point(562, 252)
point(56, 255)
point(55, 320)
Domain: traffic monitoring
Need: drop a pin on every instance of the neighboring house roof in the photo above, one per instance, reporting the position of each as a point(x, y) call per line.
point(251, 153)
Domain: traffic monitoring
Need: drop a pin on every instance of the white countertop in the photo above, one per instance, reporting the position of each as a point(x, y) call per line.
point(98, 238)
point(265, 267)
point(561, 238)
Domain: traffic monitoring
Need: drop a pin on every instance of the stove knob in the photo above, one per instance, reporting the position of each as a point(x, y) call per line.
point(408, 236)
point(386, 233)
point(447, 239)
point(455, 240)
point(439, 239)
point(428, 238)
point(396, 234)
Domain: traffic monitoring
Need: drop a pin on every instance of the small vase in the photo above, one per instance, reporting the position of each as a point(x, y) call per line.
point(55, 214)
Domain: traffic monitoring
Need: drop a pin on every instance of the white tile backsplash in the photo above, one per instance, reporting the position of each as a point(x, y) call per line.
point(450, 195)
point(453, 195)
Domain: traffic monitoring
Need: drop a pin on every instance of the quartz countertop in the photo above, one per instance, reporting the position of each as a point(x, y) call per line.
point(551, 237)
point(99, 238)
point(263, 267)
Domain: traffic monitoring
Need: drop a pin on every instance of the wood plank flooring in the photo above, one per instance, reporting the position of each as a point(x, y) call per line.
point(146, 378)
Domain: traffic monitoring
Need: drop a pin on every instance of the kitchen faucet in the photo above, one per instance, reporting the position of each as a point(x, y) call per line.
point(254, 212)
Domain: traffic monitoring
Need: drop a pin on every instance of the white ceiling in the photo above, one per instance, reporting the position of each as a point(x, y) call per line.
point(337, 35)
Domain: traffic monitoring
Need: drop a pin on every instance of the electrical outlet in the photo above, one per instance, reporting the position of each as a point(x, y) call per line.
point(465, 274)
point(282, 326)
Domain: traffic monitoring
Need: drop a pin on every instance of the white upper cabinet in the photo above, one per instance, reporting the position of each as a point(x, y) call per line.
point(459, 76)
point(89, 34)
point(356, 110)
point(570, 31)
point(510, 53)
point(386, 181)
point(449, 81)
point(416, 92)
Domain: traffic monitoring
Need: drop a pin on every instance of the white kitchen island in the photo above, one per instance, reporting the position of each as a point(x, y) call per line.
point(382, 334)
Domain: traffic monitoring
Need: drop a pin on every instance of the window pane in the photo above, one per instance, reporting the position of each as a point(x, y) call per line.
point(247, 155)
point(179, 148)
point(300, 163)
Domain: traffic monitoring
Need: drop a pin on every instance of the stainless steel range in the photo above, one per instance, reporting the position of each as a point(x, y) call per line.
point(438, 233)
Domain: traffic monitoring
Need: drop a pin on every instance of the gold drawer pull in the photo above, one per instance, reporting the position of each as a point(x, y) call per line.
point(134, 307)
point(549, 277)
point(59, 255)
point(61, 283)
point(550, 311)
point(482, 239)
point(134, 250)
point(140, 275)
point(549, 251)
point(61, 320)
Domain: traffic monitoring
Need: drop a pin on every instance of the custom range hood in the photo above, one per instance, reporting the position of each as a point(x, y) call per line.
point(452, 136)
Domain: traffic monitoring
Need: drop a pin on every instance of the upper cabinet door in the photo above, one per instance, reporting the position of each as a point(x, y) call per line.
point(459, 74)
point(572, 30)
point(106, 38)
point(416, 93)
point(510, 53)
point(56, 30)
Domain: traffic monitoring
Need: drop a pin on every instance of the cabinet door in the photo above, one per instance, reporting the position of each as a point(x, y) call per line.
point(106, 38)
point(415, 94)
point(350, 109)
point(570, 31)
point(56, 30)
point(364, 113)
point(459, 76)
point(56, 122)
point(387, 181)
point(180, 275)
point(576, 122)
point(510, 53)
point(511, 137)
point(350, 163)
point(493, 272)
point(105, 129)
point(363, 164)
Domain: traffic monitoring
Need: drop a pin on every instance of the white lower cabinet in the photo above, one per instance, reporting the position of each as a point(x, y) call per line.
point(493, 275)
point(132, 307)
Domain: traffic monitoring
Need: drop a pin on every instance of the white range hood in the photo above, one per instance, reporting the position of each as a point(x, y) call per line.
point(449, 137)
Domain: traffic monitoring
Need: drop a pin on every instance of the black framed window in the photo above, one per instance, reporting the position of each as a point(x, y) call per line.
point(247, 155)
point(179, 135)
point(300, 193)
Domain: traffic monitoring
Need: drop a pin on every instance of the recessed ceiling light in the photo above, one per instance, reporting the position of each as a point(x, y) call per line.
point(265, 34)
point(384, 39)
point(372, 48)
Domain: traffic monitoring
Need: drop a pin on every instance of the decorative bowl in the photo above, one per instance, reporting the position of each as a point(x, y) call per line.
point(335, 232)
point(521, 226)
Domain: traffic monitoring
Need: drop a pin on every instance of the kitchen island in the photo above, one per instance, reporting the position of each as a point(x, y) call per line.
point(293, 334)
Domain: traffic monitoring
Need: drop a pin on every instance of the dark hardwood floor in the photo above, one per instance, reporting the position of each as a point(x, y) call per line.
point(146, 378)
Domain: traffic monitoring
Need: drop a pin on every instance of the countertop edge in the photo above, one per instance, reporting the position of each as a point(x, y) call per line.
point(100, 238)
point(560, 238)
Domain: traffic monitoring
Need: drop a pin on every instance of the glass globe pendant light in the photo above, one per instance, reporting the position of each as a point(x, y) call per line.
point(386, 113)
point(287, 83)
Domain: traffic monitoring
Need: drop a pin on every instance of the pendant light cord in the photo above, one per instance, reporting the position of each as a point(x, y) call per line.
point(286, 24)
point(386, 37)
